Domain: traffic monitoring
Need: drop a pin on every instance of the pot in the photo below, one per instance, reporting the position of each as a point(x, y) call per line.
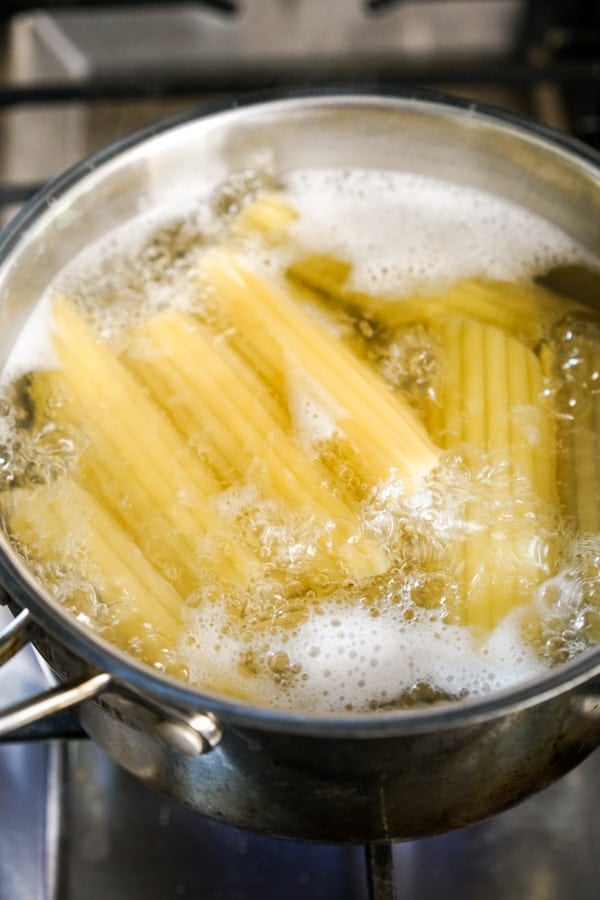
point(342, 778)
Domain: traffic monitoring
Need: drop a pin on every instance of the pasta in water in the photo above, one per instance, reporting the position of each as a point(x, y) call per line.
point(310, 476)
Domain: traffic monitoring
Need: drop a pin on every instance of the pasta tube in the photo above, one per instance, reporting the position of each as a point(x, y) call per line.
point(138, 464)
point(384, 436)
point(525, 310)
point(246, 434)
point(323, 274)
point(491, 410)
point(135, 607)
point(324, 279)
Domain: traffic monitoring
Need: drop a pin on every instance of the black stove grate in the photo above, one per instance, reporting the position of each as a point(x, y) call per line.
point(555, 47)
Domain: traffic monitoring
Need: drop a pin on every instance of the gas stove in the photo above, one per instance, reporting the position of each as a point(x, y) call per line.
point(73, 825)
point(77, 75)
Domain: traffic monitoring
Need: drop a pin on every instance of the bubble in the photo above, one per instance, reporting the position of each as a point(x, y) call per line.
point(349, 647)
point(449, 232)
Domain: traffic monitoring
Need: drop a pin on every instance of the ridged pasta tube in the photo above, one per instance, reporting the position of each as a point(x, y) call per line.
point(323, 274)
point(383, 433)
point(491, 410)
point(197, 379)
point(325, 279)
point(526, 310)
point(134, 606)
point(137, 461)
point(122, 486)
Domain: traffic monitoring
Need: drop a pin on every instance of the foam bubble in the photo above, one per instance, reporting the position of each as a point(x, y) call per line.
point(33, 348)
point(344, 658)
point(405, 232)
point(402, 233)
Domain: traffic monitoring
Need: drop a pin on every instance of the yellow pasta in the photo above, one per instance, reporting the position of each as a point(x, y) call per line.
point(323, 274)
point(134, 605)
point(269, 215)
point(526, 310)
point(325, 279)
point(491, 409)
point(199, 384)
point(316, 364)
point(137, 461)
point(249, 459)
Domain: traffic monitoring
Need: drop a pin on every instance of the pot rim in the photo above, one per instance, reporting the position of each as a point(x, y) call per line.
point(582, 672)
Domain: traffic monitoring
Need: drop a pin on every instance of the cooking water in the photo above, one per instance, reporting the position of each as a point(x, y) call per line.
point(373, 643)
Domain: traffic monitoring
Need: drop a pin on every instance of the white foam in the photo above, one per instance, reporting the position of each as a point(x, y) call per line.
point(406, 233)
point(344, 658)
point(402, 233)
point(33, 348)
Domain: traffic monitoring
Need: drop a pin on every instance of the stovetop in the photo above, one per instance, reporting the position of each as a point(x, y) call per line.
point(124, 842)
point(73, 826)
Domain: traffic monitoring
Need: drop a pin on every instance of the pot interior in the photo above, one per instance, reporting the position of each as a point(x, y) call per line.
point(176, 163)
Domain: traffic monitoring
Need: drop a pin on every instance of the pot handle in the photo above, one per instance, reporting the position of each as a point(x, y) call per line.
point(50, 702)
point(191, 735)
point(15, 635)
point(12, 639)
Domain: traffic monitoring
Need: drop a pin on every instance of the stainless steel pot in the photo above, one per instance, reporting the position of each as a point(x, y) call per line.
point(336, 778)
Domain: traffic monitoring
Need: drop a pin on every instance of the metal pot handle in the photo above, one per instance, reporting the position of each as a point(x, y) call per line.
point(12, 639)
point(15, 635)
point(190, 734)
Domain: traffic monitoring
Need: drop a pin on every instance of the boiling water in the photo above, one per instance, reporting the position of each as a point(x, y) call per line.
point(345, 644)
